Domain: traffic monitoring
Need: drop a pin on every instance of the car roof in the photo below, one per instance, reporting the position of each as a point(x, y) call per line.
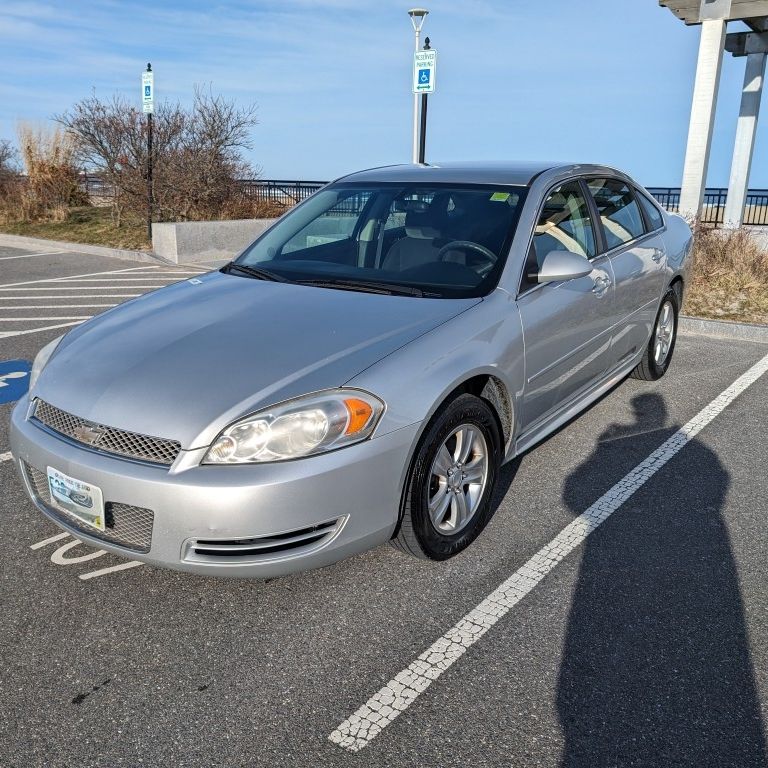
point(484, 172)
point(520, 173)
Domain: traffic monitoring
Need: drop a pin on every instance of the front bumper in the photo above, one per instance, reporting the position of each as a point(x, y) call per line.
point(214, 519)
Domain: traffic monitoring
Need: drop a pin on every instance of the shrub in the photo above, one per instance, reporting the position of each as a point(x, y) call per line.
point(196, 154)
point(730, 275)
point(50, 185)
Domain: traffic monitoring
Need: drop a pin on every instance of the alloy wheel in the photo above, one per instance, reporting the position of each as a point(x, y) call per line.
point(457, 479)
point(664, 334)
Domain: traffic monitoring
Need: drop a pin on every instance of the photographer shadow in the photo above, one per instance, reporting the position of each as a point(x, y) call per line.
point(656, 668)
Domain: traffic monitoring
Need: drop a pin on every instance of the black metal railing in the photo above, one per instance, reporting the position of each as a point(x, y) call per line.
point(288, 193)
point(713, 208)
point(279, 190)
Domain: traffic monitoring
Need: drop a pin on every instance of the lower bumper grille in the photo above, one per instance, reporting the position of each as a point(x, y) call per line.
point(257, 548)
point(126, 525)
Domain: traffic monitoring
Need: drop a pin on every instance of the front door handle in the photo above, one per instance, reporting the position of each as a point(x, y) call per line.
point(601, 285)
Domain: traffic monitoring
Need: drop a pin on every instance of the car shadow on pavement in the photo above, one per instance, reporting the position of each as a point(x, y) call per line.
point(656, 667)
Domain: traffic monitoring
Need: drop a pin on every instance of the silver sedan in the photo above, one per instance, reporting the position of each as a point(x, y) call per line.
point(359, 373)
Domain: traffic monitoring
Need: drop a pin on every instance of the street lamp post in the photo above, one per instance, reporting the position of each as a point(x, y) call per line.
point(417, 20)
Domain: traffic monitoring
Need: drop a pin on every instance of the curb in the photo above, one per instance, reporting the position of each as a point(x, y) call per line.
point(724, 329)
point(20, 241)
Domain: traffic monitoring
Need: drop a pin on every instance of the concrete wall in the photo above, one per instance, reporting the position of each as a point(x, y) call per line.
point(191, 241)
point(760, 236)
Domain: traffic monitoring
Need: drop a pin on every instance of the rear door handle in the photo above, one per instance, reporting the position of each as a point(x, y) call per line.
point(658, 255)
point(601, 285)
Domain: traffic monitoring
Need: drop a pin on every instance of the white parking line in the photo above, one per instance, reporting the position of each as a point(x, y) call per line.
point(62, 317)
point(8, 334)
point(88, 274)
point(8, 456)
point(173, 272)
point(400, 692)
point(56, 306)
point(111, 569)
point(30, 255)
point(58, 556)
point(121, 280)
point(49, 540)
point(85, 296)
point(84, 288)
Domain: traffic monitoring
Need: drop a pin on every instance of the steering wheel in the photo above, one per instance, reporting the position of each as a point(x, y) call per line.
point(468, 245)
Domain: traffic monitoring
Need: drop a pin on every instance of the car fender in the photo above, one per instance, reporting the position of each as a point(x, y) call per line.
point(415, 380)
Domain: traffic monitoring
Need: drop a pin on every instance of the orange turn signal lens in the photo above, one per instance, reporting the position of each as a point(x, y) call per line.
point(359, 415)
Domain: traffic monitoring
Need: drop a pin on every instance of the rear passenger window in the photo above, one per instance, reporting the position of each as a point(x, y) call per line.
point(618, 211)
point(652, 213)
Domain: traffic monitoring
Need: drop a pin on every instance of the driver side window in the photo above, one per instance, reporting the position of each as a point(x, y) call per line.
point(564, 225)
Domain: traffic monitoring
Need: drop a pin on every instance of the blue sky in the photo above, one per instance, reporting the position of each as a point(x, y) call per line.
point(606, 81)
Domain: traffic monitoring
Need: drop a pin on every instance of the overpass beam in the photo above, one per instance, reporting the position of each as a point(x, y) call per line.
point(702, 121)
point(744, 145)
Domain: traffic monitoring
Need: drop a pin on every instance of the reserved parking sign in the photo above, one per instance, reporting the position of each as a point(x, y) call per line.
point(424, 65)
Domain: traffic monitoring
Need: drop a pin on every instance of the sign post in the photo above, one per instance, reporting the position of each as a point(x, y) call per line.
point(424, 68)
point(417, 21)
point(148, 105)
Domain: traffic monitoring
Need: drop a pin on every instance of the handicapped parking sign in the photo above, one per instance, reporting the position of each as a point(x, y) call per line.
point(14, 380)
point(424, 68)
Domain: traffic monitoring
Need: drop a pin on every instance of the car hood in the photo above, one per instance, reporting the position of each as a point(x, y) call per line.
point(184, 362)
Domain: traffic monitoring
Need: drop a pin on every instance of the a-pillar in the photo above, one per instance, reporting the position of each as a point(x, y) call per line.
point(702, 115)
point(745, 139)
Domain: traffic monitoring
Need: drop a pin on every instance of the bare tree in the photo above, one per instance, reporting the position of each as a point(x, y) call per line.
point(9, 159)
point(197, 153)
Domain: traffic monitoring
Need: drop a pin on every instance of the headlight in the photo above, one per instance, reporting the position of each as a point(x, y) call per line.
point(43, 356)
point(302, 427)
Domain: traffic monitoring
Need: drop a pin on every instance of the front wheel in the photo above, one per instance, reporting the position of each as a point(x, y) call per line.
point(658, 353)
point(448, 495)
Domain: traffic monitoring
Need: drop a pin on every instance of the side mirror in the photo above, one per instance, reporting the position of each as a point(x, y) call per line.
point(562, 265)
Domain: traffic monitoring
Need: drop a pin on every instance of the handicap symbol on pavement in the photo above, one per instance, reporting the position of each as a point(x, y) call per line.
point(14, 380)
point(424, 76)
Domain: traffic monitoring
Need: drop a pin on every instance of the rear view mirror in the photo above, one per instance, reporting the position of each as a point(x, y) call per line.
point(562, 265)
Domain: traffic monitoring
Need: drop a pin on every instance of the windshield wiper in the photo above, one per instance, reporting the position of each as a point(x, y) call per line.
point(257, 272)
point(367, 286)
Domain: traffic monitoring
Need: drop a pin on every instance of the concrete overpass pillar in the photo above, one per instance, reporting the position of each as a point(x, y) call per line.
point(705, 90)
point(745, 139)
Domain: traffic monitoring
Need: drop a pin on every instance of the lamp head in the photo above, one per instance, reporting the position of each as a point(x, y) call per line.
point(417, 17)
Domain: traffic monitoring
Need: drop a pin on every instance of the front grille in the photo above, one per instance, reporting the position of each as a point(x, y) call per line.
point(298, 541)
point(126, 525)
point(132, 445)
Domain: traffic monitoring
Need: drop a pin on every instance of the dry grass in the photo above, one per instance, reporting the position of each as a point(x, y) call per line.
point(85, 225)
point(730, 276)
point(50, 186)
point(95, 225)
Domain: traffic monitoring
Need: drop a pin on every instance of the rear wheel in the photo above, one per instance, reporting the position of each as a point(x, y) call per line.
point(658, 353)
point(448, 496)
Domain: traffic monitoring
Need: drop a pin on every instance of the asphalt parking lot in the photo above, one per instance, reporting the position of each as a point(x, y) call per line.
point(644, 644)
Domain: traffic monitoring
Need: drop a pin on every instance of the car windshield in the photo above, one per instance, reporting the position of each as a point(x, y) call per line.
point(443, 241)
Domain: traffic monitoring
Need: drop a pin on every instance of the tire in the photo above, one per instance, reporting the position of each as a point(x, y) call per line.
point(656, 361)
point(430, 478)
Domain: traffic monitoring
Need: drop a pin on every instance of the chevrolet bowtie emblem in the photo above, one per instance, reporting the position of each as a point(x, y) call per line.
point(88, 433)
